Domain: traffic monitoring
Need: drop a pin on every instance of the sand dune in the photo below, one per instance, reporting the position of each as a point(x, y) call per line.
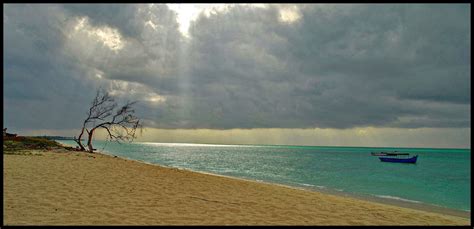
point(68, 188)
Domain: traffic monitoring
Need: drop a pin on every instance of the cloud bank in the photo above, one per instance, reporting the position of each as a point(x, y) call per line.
point(279, 66)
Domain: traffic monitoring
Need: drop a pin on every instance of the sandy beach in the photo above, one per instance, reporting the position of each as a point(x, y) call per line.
point(71, 188)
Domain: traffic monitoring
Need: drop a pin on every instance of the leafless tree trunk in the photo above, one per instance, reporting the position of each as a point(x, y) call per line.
point(120, 126)
point(89, 140)
point(78, 140)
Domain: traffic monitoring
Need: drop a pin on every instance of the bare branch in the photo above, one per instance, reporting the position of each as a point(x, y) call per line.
point(120, 124)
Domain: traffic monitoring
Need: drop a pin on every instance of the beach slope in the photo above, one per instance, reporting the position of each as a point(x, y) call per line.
point(72, 188)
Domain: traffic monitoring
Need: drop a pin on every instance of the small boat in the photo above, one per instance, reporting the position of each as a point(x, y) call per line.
point(399, 160)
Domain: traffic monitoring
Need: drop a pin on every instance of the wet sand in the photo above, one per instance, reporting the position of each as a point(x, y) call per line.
point(71, 188)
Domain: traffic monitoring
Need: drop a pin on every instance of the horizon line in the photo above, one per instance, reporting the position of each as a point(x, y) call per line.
point(224, 144)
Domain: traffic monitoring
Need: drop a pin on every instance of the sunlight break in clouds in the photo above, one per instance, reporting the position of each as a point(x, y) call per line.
point(289, 14)
point(187, 13)
point(190, 12)
point(110, 37)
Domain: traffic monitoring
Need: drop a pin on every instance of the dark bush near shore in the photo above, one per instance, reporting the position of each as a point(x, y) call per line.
point(25, 143)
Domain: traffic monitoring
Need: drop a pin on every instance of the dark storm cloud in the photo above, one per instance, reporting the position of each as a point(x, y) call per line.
point(42, 87)
point(337, 66)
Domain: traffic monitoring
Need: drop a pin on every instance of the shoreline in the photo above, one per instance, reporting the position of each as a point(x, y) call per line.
point(76, 188)
point(365, 197)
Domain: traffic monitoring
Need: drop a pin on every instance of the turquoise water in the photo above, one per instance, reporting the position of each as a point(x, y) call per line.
point(441, 177)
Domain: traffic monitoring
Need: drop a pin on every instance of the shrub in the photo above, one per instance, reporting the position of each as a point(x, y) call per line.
point(20, 142)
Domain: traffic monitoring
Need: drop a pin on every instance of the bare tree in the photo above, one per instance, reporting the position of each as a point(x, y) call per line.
point(120, 125)
point(100, 108)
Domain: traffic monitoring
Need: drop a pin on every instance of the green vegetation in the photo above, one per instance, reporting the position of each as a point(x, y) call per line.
point(28, 143)
point(54, 137)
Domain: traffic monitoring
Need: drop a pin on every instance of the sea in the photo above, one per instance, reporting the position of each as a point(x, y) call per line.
point(441, 178)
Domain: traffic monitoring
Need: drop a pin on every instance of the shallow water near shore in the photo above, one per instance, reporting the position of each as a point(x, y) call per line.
point(441, 177)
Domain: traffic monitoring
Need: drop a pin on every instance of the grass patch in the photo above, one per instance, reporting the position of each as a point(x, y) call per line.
point(28, 143)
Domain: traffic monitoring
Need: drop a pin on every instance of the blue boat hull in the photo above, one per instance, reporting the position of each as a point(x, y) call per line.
point(399, 160)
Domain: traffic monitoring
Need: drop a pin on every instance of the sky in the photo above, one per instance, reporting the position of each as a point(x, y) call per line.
point(287, 74)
